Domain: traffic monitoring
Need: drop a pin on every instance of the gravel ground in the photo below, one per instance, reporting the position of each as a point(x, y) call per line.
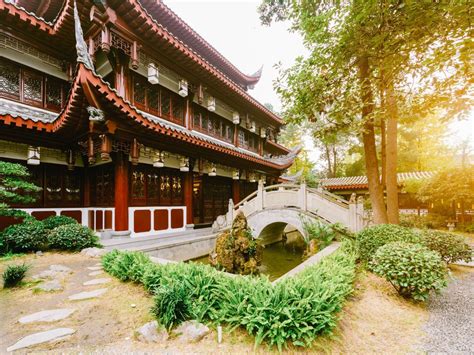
point(450, 328)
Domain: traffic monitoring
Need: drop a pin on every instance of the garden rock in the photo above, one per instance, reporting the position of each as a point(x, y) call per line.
point(46, 274)
point(50, 315)
point(41, 337)
point(93, 252)
point(150, 333)
point(60, 268)
point(191, 331)
point(94, 268)
point(39, 253)
point(50, 286)
point(87, 295)
point(97, 282)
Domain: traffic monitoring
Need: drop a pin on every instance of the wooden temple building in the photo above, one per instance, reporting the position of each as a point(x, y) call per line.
point(127, 118)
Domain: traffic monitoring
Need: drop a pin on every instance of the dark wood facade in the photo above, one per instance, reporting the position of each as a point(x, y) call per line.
point(121, 146)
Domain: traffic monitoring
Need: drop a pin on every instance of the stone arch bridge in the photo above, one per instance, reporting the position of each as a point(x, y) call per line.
point(270, 209)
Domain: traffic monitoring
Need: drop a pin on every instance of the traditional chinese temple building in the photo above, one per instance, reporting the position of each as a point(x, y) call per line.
point(127, 118)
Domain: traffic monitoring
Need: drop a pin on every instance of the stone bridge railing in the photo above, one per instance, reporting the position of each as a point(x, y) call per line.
point(320, 203)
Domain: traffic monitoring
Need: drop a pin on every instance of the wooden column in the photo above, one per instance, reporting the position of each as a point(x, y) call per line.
point(121, 191)
point(188, 197)
point(236, 191)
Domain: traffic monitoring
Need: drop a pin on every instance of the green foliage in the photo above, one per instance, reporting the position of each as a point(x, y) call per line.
point(72, 237)
point(453, 185)
point(323, 233)
point(172, 304)
point(15, 188)
point(450, 246)
point(431, 221)
point(27, 236)
point(295, 310)
point(13, 274)
point(55, 221)
point(372, 238)
point(412, 269)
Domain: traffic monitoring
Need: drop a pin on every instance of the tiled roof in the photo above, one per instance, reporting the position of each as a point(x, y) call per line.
point(349, 182)
point(16, 109)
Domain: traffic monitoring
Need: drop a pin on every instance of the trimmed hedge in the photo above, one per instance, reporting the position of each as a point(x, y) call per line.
point(412, 269)
point(72, 237)
point(294, 310)
point(372, 238)
point(55, 221)
point(27, 236)
point(450, 246)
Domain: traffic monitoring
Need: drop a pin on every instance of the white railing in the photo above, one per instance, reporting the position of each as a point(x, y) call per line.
point(96, 218)
point(319, 202)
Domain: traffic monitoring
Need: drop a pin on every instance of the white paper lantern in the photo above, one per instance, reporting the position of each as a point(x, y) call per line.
point(33, 157)
point(184, 165)
point(211, 103)
point(183, 88)
point(235, 117)
point(153, 74)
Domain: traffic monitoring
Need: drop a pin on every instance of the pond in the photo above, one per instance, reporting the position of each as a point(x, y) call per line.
point(278, 259)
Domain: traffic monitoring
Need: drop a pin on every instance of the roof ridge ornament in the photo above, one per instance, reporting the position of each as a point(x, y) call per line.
point(81, 46)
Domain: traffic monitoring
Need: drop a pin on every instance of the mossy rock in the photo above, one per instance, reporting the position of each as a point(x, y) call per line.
point(236, 250)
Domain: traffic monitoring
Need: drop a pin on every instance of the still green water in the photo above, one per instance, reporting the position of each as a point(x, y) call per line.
point(278, 259)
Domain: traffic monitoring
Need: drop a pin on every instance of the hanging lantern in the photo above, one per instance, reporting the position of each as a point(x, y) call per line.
point(200, 94)
point(212, 170)
point(184, 165)
point(105, 147)
point(183, 88)
point(253, 126)
point(235, 117)
point(263, 132)
point(236, 174)
point(135, 152)
point(70, 159)
point(153, 74)
point(158, 160)
point(33, 157)
point(211, 103)
point(252, 177)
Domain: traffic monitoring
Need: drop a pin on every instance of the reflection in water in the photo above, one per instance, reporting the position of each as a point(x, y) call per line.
point(278, 259)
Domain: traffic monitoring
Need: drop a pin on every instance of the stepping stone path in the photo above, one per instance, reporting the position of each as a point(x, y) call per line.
point(49, 286)
point(41, 337)
point(95, 273)
point(87, 295)
point(94, 268)
point(51, 315)
point(93, 252)
point(97, 282)
point(53, 272)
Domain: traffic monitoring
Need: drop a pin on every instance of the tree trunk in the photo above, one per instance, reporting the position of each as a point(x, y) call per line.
point(370, 150)
point(328, 158)
point(391, 156)
point(383, 143)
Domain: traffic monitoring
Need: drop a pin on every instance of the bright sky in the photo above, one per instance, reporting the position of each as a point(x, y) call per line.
point(234, 29)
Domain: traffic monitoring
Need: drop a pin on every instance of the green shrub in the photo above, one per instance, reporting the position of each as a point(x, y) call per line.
point(450, 246)
point(13, 274)
point(412, 269)
point(27, 236)
point(322, 232)
point(430, 221)
point(294, 310)
point(372, 238)
point(126, 266)
point(55, 221)
point(72, 237)
point(172, 304)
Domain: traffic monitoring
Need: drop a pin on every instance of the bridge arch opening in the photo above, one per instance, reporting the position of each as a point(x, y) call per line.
point(283, 251)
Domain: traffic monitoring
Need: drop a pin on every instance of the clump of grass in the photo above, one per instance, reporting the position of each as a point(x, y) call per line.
point(9, 255)
point(14, 274)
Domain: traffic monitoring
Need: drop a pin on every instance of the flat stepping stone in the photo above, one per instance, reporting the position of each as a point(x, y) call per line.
point(51, 315)
point(87, 295)
point(41, 337)
point(60, 268)
point(94, 268)
point(97, 282)
point(95, 273)
point(50, 286)
point(98, 264)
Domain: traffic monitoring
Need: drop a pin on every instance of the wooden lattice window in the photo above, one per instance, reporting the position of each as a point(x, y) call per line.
point(9, 80)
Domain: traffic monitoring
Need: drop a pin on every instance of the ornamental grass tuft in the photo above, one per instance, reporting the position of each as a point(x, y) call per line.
point(14, 274)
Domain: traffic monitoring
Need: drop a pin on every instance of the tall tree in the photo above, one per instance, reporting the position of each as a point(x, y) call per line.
point(368, 59)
